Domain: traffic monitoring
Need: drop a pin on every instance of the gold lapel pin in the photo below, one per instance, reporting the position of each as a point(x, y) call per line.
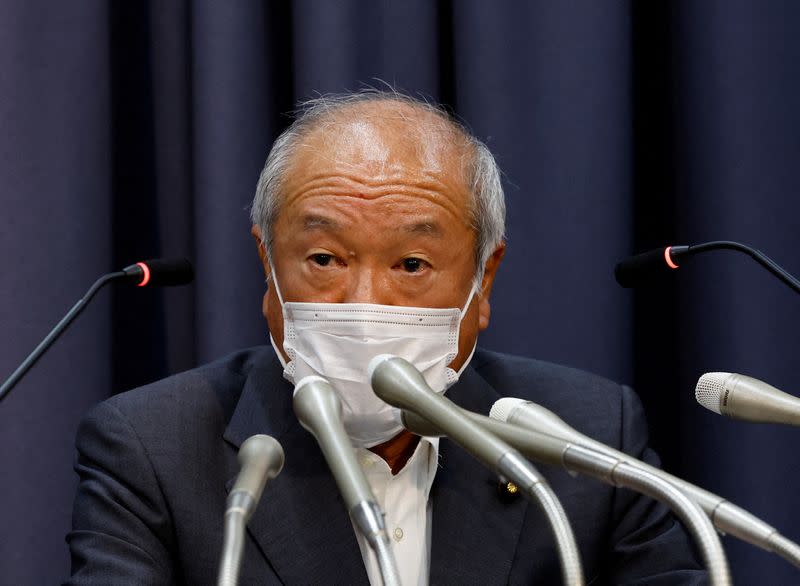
point(507, 491)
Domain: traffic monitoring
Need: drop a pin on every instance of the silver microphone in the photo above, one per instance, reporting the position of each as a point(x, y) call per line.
point(261, 459)
point(743, 397)
point(579, 459)
point(319, 411)
point(400, 384)
point(726, 516)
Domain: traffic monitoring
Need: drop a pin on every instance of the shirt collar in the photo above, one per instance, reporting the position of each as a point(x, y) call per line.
point(426, 456)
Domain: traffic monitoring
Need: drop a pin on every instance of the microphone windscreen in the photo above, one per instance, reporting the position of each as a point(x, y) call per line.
point(709, 390)
point(165, 272)
point(502, 408)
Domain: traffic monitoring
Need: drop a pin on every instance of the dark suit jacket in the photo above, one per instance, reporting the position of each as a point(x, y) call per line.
point(156, 463)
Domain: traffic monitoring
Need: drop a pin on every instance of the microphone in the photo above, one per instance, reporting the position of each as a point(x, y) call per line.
point(160, 272)
point(607, 468)
point(261, 459)
point(634, 270)
point(611, 470)
point(400, 384)
point(746, 398)
point(319, 411)
point(726, 516)
point(154, 272)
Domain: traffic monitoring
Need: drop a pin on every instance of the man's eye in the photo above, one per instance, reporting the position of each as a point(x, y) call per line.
point(413, 265)
point(322, 259)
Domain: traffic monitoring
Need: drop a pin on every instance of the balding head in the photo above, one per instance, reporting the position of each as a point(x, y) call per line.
point(375, 130)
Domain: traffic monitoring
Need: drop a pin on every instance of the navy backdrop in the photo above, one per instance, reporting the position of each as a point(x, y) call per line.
point(138, 129)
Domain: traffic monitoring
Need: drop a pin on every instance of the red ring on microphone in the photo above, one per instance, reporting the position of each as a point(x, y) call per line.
point(145, 275)
point(668, 258)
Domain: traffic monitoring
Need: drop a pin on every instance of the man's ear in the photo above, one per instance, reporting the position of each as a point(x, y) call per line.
point(262, 250)
point(492, 264)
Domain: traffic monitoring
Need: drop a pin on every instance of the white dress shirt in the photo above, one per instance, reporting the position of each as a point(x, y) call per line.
point(404, 499)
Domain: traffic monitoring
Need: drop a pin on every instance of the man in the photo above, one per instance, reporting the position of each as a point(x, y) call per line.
point(379, 222)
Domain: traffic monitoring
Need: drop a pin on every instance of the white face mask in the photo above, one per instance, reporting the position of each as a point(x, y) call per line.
point(337, 341)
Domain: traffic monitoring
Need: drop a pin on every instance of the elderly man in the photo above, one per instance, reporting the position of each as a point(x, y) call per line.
point(379, 222)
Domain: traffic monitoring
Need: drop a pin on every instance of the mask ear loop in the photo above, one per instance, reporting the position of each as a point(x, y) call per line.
point(472, 292)
point(274, 280)
point(470, 297)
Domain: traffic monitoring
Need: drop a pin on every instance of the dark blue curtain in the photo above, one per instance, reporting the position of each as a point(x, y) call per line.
point(137, 129)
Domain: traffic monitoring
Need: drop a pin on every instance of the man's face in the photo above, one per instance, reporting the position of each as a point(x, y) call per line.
point(374, 211)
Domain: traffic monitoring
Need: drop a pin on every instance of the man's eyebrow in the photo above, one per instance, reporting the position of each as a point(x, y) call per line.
point(315, 222)
point(429, 228)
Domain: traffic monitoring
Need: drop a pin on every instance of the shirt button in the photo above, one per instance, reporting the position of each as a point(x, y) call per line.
point(398, 534)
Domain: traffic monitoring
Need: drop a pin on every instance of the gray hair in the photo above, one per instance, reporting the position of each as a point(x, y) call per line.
point(487, 208)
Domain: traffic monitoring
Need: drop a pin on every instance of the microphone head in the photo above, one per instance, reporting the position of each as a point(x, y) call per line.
point(396, 381)
point(261, 458)
point(377, 361)
point(638, 269)
point(502, 408)
point(307, 380)
point(161, 272)
point(710, 389)
point(315, 403)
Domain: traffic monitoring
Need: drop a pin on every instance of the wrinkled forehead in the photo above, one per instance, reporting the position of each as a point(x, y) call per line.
point(385, 139)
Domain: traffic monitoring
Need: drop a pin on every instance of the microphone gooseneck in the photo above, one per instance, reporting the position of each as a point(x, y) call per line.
point(156, 272)
point(636, 269)
point(728, 518)
point(400, 384)
point(319, 411)
point(556, 451)
point(261, 459)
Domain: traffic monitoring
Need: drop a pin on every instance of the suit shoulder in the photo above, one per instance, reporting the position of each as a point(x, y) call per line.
point(210, 389)
point(530, 377)
point(589, 402)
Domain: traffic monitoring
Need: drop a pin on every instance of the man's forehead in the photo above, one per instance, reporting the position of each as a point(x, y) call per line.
point(384, 135)
point(369, 153)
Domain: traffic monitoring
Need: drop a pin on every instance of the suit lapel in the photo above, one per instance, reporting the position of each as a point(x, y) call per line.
point(301, 525)
point(474, 532)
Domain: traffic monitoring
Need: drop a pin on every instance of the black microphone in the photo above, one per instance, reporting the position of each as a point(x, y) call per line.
point(158, 272)
point(637, 269)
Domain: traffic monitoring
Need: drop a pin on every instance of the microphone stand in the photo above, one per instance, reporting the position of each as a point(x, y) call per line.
point(728, 518)
point(512, 466)
point(525, 476)
point(261, 458)
point(368, 517)
point(574, 458)
point(753, 253)
point(319, 411)
point(54, 334)
point(233, 543)
point(163, 272)
point(622, 474)
point(398, 382)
